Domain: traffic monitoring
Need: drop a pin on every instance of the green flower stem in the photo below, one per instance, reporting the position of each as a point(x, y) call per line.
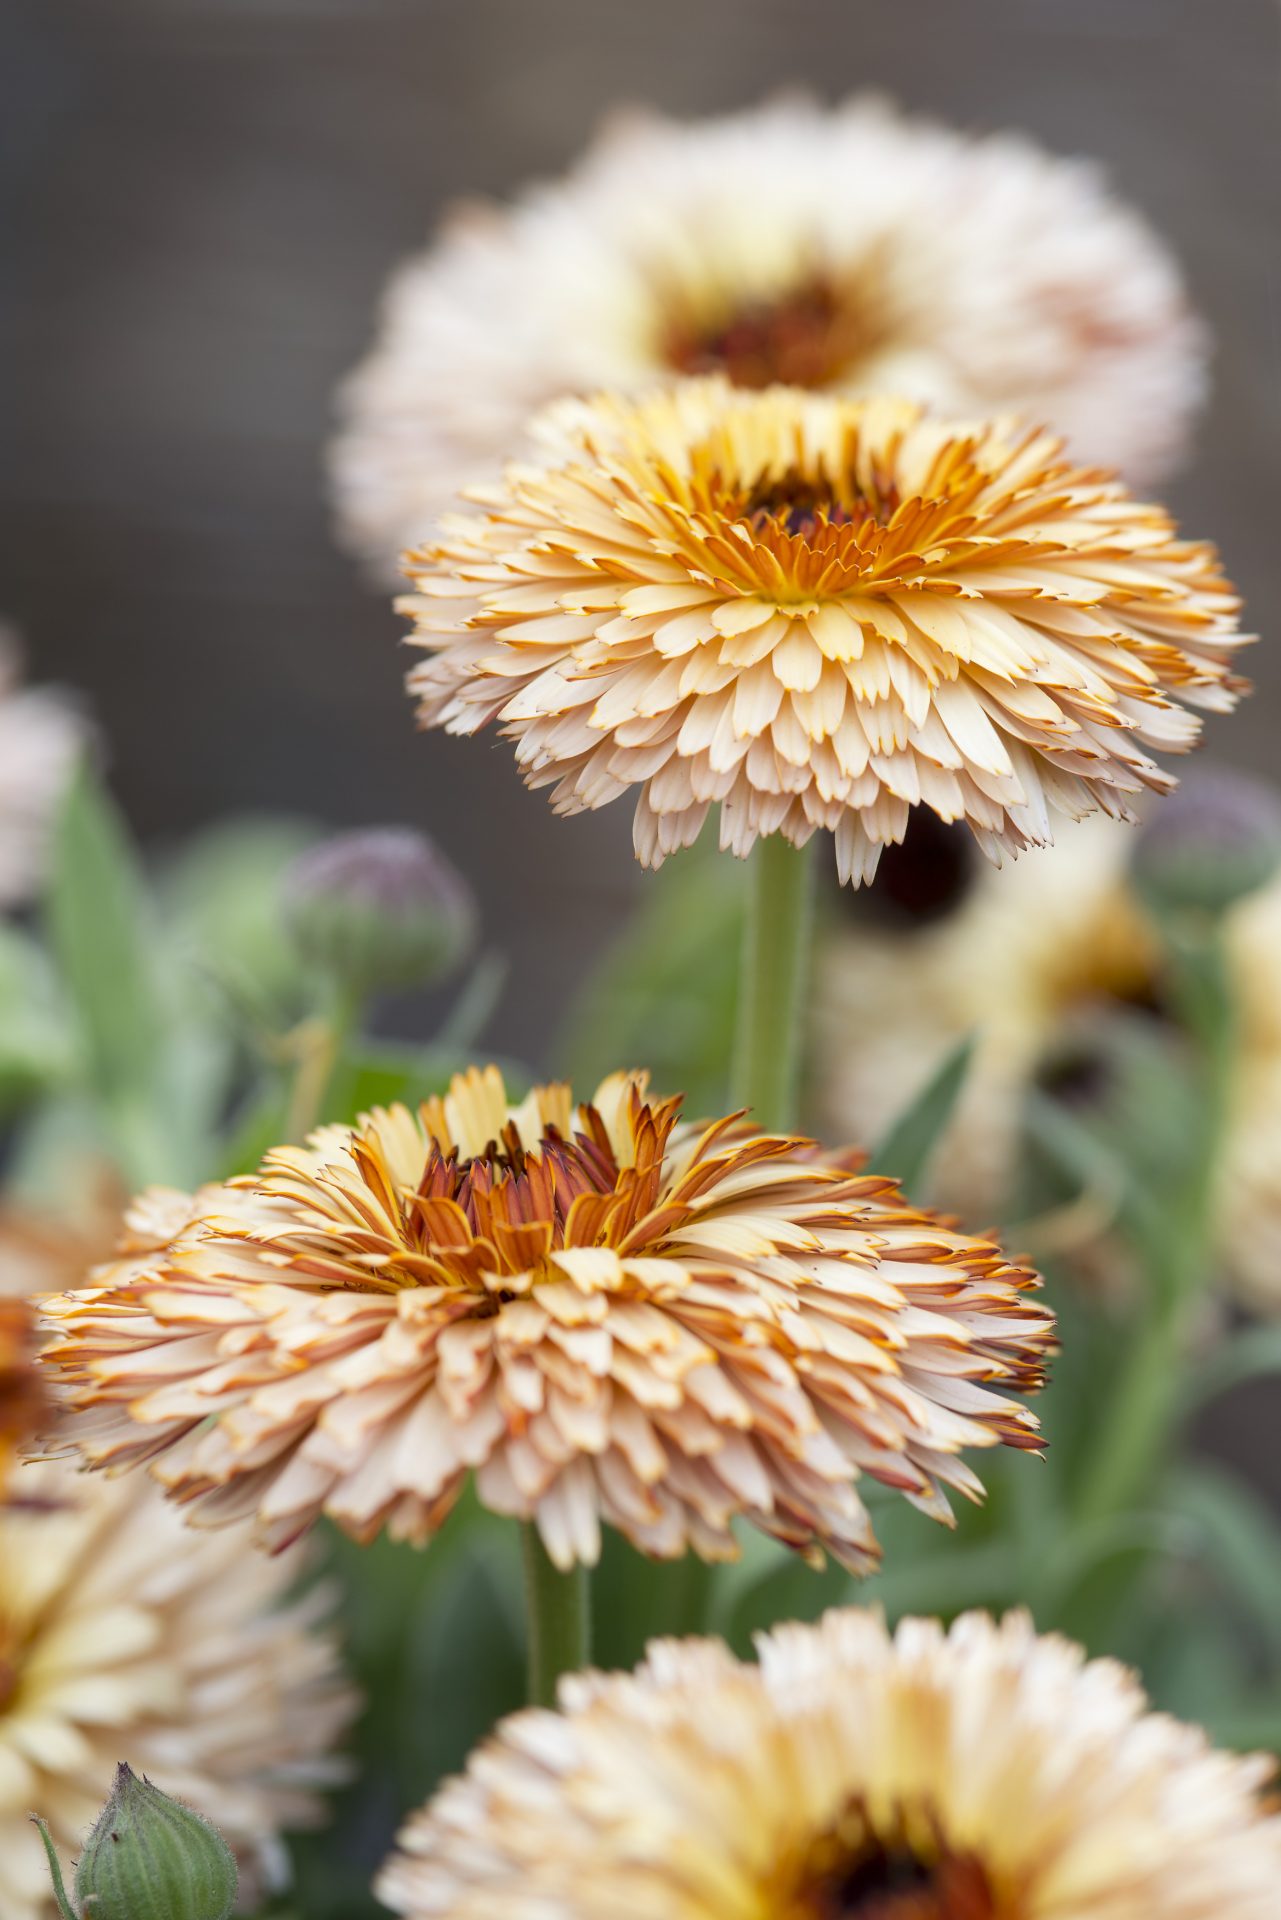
point(64, 1905)
point(558, 1619)
point(774, 982)
point(1146, 1401)
point(323, 1042)
point(1142, 1403)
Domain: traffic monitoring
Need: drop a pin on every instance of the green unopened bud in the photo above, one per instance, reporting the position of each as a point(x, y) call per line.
point(1215, 839)
point(148, 1858)
point(379, 909)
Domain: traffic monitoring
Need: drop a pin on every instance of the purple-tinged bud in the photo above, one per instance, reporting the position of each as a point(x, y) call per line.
point(379, 909)
point(1216, 838)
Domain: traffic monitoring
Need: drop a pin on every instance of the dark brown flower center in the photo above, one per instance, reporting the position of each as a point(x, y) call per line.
point(855, 1872)
point(924, 879)
point(805, 506)
point(520, 1185)
point(808, 337)
point(11, 1653)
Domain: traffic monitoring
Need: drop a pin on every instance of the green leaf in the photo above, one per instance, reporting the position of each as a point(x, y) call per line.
point(1248, 1729)
point(1089, 1164)
point(37, 1050)
point(99, 924)
point(433, 1641)
point(1238, 1539)
point(221, 899)
point(906, 1150)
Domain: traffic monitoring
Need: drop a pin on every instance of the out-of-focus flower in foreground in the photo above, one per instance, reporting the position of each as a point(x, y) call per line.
point(606, 1312)
point(23, 1401)
point(820, 614)
point(123, 1632)
point(41, 735)
point(977, 1774)
point(1027, 960)
point(850, 250)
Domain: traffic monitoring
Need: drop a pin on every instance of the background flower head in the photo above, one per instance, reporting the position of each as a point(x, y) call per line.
point(604, 1311)
point(981, 1773)
point(848, 249)
point(1034, 961)
point(123, 1633)
point(819, 614)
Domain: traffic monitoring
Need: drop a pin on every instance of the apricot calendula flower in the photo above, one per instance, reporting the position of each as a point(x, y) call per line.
point(123, 1632)
point(979, 1773)
point(849, 249)
point(819, 613)
point(603, 1311)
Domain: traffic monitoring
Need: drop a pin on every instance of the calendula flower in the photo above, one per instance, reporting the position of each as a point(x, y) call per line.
point(603, 1311)
point(982, 1773)
point(1010, 957)
point(819, 613)
point(121, 1632)
point(850, 250)
point(1027, 961)
point(41, 736)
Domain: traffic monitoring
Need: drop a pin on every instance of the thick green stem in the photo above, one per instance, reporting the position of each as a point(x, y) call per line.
point(1146, 1400)
point(558, 1619)
point(774, 982)
point(1142, 1405)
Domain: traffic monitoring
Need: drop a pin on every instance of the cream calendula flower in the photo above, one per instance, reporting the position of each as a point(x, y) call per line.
point(41, 736)
point(848, 249)
point(123, 1633)
point(820, 614)
point(603, 1311)
point(1025, 960)
point(1014, 957)
point(982, 1773)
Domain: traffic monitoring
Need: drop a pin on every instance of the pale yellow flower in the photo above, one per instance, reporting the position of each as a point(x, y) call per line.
point(819, 614)
point(123, 1635)
point(604, 1312)
point(1024, 960)
point(848, 249)
point(983, 1773)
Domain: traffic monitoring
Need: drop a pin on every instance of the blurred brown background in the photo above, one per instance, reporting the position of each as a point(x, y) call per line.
point(202, 199)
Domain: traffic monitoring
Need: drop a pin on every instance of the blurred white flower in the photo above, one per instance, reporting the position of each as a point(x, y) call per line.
point(982, 1773)
point(124, 1635)
point(850, 249)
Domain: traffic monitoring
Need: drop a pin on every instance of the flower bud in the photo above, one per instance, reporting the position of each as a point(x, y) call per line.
point(380, 908)
point(149, 1858)
point(1216, 838)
